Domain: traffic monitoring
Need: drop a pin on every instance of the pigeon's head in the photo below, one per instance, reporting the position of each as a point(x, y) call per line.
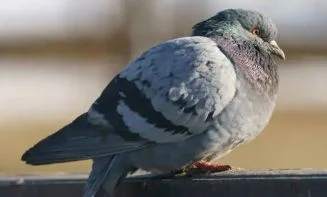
point(242, 24)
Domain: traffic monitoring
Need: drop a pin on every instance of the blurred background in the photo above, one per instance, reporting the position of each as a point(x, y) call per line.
point(56, 56)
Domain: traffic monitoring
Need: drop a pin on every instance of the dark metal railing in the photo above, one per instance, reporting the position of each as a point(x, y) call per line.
point(271, 183)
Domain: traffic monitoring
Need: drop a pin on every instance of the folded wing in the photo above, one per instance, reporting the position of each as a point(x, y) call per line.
point(170, 93)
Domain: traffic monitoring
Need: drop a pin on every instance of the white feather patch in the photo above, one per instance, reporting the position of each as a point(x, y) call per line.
point(96, 118)
point(138, 124)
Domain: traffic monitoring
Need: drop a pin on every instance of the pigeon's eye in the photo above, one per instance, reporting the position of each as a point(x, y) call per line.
point(255, 31)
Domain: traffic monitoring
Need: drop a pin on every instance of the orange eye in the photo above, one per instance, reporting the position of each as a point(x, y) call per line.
point(255, 31)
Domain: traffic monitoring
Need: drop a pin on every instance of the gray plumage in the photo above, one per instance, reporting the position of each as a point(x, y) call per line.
point(188, 99)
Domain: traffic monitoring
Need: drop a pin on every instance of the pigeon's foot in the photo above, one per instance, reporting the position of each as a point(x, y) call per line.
point(199, 167)
point(203, 167)
point(211, 167)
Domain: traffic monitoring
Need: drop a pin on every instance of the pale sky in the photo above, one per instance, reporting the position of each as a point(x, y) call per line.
point(21, 19)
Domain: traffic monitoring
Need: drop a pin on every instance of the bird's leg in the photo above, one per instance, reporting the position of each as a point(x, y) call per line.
point(211, 167)
point(197, 167)
point(200, 167)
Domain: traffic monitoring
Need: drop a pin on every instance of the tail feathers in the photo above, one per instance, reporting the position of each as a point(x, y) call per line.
point(50, 149)
point(77, 141)
point(100, 168)
point(106, 174)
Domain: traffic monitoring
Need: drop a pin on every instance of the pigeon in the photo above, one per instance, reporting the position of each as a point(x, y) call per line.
point(184, 102)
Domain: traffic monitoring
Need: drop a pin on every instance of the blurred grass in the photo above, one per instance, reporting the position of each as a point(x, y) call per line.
point(17, 137)
point(292, 140)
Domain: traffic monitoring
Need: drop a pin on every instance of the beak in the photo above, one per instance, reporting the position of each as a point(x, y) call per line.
point(274, 49)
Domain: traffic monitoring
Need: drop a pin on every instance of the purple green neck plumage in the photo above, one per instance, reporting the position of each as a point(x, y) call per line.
point(251, 54)
point(255, 64)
